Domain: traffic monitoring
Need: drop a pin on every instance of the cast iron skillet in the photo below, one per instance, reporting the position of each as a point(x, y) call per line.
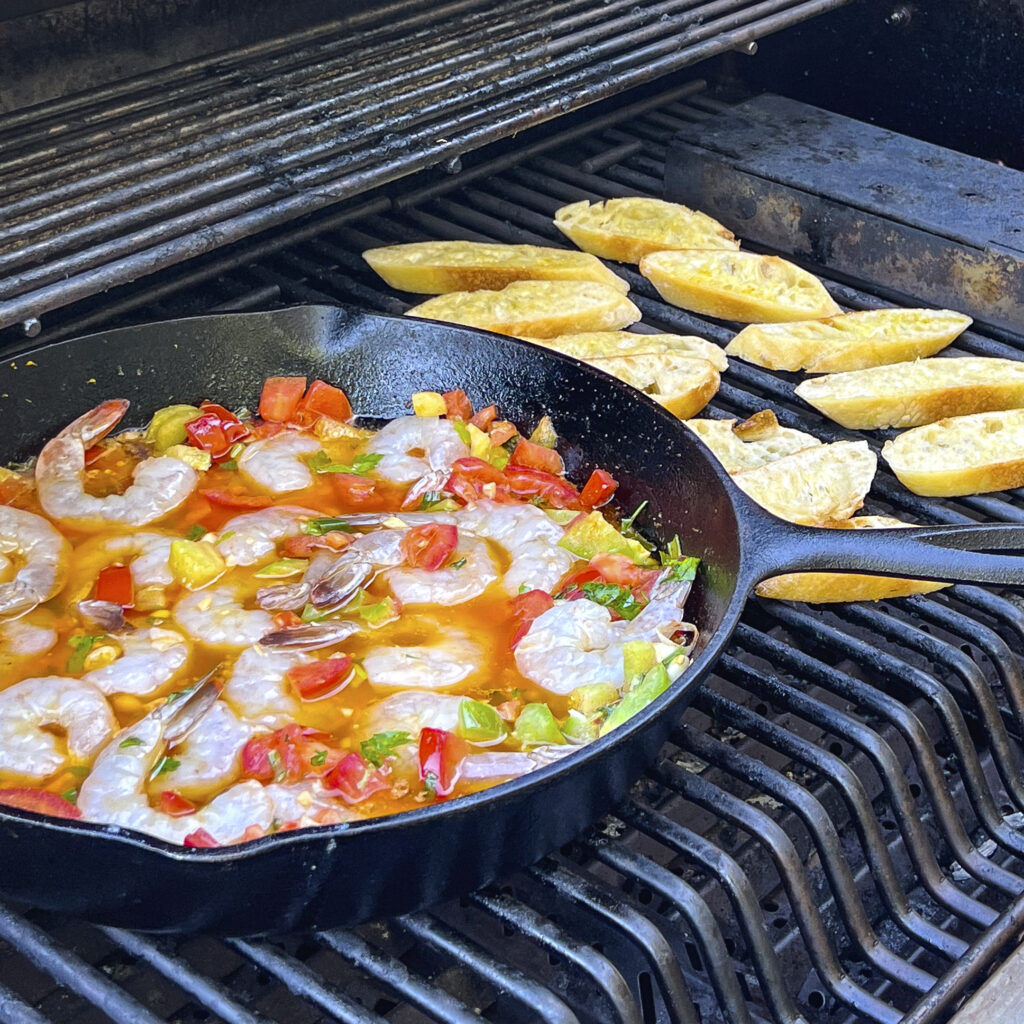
point(343, 874)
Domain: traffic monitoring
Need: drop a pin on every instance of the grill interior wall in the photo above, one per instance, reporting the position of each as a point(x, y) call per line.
point(835, 820)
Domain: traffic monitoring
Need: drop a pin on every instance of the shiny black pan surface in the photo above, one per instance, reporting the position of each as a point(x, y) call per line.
point(338, 875)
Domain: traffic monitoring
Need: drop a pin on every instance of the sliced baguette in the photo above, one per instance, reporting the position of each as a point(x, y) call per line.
point(598, 344)
point(850, 341)
point(626, 229)
point(911, 394)
point(433, 268)
point(814, 485)
point(753, 442)
point(682, 384)
point(541, 309)
point(829, 587)
point(961, 455)
point(741, 286)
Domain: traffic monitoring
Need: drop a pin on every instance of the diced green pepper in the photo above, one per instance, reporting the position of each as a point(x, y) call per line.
point(195, 563)
point(544, 433)
point(638, 658)
point(536, 725)
point(580, 728)
point(653, 685)
point(479, 722)
point(167, 427)
point(282, 569)
point(593, 534)
point(592, 697)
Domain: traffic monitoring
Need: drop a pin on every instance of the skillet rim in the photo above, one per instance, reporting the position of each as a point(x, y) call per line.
point(330, 835)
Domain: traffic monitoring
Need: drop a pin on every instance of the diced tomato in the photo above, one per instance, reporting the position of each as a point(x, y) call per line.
point(288, 754)
point(525, 482)
point(114, 584)
point(598, 490)
point(472, 479)
point(200, 840)
point(536, 456)
point(502, 431)
point(215, 430)
point(457, 405)
point(355, 780)
point(175, 804)
point(323, 399)
point(306, 545)
point(441, 753)
point(231, 499)
point(429, 546)
point(280, 398)
point(39, 800)
point(509, 709)
point(319, 678)
point(253, 832)
point(622, 570)
point(483, 418)
point(260, 430)
point(576, 580)
point(526, 607)
point(287, 620)
point(351, 487)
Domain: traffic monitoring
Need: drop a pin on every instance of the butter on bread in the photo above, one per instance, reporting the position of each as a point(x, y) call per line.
point(542, 309)
point(743, 286)
point(598, 344)
point(626, 229)
point(434, 268)
point(682, 384)
point(849, 341)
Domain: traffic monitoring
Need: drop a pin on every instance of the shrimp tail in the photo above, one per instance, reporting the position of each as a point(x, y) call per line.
point(94, 425)
point(340, 583)
point(182, 713)
point(310, 637)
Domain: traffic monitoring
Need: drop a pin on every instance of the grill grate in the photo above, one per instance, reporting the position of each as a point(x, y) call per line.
point(833, 834)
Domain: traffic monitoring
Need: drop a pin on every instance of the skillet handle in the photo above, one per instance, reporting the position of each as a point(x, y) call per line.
point(948, 554)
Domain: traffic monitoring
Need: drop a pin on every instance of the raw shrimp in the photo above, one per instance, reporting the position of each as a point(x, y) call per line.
point(510, 764)
point(41, 557)
point(414, 447)
point(145, 553)
point(20, 638)
point(257, 689)
point(210, 756)
point(276, 464)
point(410, 711)
point(435, 666)
point(29, 707)
point(159, 486)
point(528, 535)
point(573, 643)
point(215, 617)
point(448, 586)
point(251, 536)
point(149, 660)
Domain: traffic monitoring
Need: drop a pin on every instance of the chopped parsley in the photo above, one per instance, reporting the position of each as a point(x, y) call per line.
point(319, 759)
point(627, 524)
point(383, 744)
point(231, 464)
point(361, 464)
point(459, 564)
point(80, 648)
point(71, 795)
point(195, 532)
point(682, 570)
point(611, 595)
point(166, 765)
point(430, 783)
point(130, 741)
point(277, 766)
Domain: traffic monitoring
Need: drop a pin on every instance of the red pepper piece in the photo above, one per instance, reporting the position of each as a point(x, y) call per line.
point(319, 678)
point(200, 839)
point(114, 585)
point(457, 405)
point(536, 456)
point(354, 780)
point(429, 546)
point(441, 753)
point(598, 490)
point(308, 544)
point(229, 499)
point(39, 800)
point(483, 418)
point(525, 482)
point(215, 430)
point(288, 755)
point(280, 398)
point(175, 804)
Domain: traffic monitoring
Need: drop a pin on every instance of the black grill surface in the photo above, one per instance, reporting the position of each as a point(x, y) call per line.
point(834, 834)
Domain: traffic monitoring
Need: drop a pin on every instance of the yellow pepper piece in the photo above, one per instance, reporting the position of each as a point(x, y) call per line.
point(194, 563)
point(194, 457)
point(429, 403)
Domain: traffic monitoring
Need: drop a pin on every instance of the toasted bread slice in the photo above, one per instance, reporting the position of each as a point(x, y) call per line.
point(850, 341)
point(626, 229)
point(911, 394)
point(683, 384)
point(814, 485)
point(961, 455)
point(830, 587)
point(540, 309)
point(751, 443)
point(741, 286)
point(434, 268)
point(598, 344)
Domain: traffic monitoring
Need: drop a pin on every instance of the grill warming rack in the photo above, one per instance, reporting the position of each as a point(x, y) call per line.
point(833, 835)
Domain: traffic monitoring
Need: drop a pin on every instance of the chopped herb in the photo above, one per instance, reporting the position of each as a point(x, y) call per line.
point(310, 614)
point(274, 826)
point(627, 524)
point(71, 795)
point(683, 569)
point(80, 647)
point(225, 536)
point(229, 464)
point(430, 783)
point(383, 744)
point(463, 431)
point(130, 741)
point(79, 770)
point(318, 527)
point(611, 595)
point(235, 450)
point(195, 532)
point(430, 498)
point(166, 765)
point(280, 772)
point(281, 569)
point(318, 759)
point(674, 551)
point(524, 588)
point(361, 465)
point(459, 564)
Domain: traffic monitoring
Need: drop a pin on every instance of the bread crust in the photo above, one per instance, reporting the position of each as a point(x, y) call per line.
point(434, 268)
point(541, 309)
point(600, 344)
point(753, 442)
point(850, 341)
point(914, 393)
point(740, 286)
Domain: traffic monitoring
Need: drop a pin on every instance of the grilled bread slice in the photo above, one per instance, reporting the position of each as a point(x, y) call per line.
point(682, 384)
point(751, 443)
point(814, 485)
point(598, 344)
point(540, 309)
point(741, 286)
point(850, 341)
point(433, 268)
point(626, 229)
point(961, 455)
point(911, 394)
point(830, 587)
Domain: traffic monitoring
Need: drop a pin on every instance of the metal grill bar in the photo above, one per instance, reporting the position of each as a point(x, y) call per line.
point(14, 1011)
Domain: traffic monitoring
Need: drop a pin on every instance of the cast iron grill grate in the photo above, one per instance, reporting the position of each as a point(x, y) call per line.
point(833, 831)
